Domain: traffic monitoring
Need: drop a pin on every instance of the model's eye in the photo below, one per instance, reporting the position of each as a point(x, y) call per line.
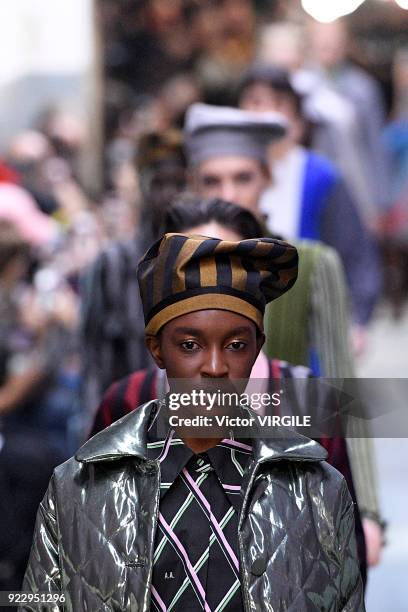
point(244, 178)
point(236, 345)
point(209, 181)
point(189, 345)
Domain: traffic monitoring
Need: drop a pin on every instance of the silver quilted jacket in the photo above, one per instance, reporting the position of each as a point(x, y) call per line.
point(95, 530)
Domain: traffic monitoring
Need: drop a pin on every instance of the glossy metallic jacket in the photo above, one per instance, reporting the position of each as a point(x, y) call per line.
point(95, 529)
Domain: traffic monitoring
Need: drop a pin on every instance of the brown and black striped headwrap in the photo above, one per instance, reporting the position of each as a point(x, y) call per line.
point(182, 274)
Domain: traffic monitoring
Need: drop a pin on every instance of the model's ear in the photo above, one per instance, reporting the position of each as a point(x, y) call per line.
point(153, 343)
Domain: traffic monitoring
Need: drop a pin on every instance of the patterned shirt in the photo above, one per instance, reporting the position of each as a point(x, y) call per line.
point(196, 555)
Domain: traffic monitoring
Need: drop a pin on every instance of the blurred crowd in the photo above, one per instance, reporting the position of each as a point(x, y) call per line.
point(62, 248)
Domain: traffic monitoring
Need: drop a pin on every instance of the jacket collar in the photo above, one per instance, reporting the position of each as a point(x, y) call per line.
point(127, 438)
point(124, 438)
point(289, 445)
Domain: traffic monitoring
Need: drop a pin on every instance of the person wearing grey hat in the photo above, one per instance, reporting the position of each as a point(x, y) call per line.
point(226, 150)
point(229, 154)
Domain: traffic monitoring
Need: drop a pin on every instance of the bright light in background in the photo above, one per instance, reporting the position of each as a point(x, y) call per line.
point(44, 37)
point(330, 10)
point(402, 3)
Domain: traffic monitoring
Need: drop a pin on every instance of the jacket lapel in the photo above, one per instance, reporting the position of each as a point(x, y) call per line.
point(124, 438)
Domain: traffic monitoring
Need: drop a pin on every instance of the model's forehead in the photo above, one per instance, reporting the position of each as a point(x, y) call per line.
point(214, 322)
point(231, 163)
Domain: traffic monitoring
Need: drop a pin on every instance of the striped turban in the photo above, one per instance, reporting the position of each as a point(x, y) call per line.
point(183, 274)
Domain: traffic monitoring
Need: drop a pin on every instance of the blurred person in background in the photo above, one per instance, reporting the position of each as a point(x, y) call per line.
point(227, 156)
point(129, 118)
point(66, 249)
point(19, 376)
point(176, 95)
point(308, 197)
point(47, 165)
point(226, 152)
point(67, 134)
point(213, 38)
point(27, 153)
point(225, 38)
point(394, 228)
point(112, 320)
point(19, 208)
point(35, 409)
point(333, 128)
point(329, 47)
point(281, 44)
point(154, 30)
point(44, 299)
point(47, 175)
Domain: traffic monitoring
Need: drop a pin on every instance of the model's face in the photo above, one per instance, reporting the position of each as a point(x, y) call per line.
point(207, 344)
point(235, 179)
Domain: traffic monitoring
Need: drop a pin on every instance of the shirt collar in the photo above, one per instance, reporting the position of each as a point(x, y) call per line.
point(228, 459)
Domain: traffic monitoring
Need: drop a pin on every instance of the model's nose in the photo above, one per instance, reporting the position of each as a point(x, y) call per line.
point(228, 192)
point(214, 365)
